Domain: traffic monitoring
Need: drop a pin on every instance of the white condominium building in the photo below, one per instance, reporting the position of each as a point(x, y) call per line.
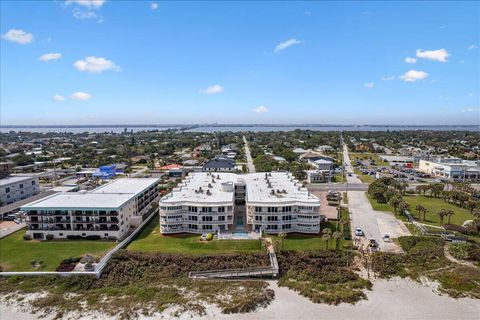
point(16, 188)
point(208, 202)
point(105, 212)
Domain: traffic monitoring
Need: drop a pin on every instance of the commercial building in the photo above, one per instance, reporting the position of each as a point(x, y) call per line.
point(451, 168)
point(319, 176)
point(399, 161)
point(208, 202)
point(106, 212)
point(16, 188)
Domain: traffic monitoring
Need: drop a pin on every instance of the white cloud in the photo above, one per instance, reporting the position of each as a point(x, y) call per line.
point(216, 88)
point(50, 56)
point(472, 46)
point(18, 36)
point(86, 15)
point(284, 45)
point(471, 110)
point(260, 109)
point(369, 85)
point(435, 55)
point(95, 65)
point(410, 60)
point(389, 78)
point(80, 96)
point(91, 4)
point(413, 75)
point(154, 6)
point(58, 98)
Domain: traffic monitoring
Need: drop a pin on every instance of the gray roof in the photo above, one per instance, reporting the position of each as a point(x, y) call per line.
point(219, 163)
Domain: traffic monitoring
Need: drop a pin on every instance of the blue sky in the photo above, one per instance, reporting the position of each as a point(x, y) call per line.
point(239, 62)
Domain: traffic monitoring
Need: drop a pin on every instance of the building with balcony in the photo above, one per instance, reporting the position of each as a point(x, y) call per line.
point(227, 202)
point(15, 188)
point(106, 212)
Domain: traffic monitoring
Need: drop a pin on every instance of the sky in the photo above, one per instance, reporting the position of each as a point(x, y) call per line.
point(156, 62)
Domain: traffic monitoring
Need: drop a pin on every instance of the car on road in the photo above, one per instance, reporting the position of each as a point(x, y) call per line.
point(386, 238)
point(372, 243)
point(359, 232)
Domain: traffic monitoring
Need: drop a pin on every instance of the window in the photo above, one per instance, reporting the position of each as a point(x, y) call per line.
point(221, 218)
point(33, 182)
point(21, 185)
point(258, 218)
point(221, 209)
point(286, 226)
point(258, 209)
point(207, 218)
point(206, 209)
point(7, 189)
point(272, 218)
point(207, 227)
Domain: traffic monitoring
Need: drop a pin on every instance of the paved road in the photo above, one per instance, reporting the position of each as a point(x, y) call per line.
point(250, 165)
point(351, 176)
point(375, 224)
point(338, 187)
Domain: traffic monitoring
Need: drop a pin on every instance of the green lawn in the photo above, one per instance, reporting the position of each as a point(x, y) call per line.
point(151, 240)
point(16, 253)
point(364, 156)
point(299, 242)
point(365, 178)
point(338, 177)
point(433, 205)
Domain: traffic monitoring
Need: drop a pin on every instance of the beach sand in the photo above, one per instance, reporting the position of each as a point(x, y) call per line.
point(393, 299)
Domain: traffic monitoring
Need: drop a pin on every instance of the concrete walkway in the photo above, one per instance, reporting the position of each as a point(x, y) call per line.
point(250, 165)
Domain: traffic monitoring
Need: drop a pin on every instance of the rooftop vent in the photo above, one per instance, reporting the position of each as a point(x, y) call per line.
point(210, 185)
point(272, 192)
point(209, 193)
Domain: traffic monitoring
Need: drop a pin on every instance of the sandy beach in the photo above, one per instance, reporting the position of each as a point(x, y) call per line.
point(393, 299)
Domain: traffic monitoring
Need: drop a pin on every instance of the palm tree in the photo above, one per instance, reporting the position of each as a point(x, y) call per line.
point(403, 206)
point(337, 235)
point(394, 202)
point(327, 235)
point(425, 211)
point(419, 209)
point(441, 214)
point(449, 214)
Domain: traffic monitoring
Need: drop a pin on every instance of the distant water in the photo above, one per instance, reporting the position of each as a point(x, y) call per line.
point(226, 128)
point(330, 128)
point(81, 129)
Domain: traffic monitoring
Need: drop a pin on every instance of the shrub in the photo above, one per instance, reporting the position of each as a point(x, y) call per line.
point(74, 237)
point(89, 267)
point(460, 250)
point(49, 237)
point(65, 267)
point(92, 237)
point(27, 237)
point(209, 236)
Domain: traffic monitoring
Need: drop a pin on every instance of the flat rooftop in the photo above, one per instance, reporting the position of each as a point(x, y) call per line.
point(14, 179)
point(126, 185)
point(220, 188)
point(111, 195)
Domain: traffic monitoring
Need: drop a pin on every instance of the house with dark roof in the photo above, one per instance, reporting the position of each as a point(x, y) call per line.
point(219, 164)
